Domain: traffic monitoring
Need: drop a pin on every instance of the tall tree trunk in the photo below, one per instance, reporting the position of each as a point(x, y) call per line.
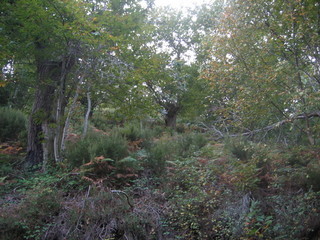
point(70, 112)
point(44, 131)
point(41, 116)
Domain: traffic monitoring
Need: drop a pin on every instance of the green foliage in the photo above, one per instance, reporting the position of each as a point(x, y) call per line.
point(106, 118)
point(112, 146)
point(240, 148)
point(12, 124)
point(79, 153)
point(195, 190)
point(313, 177)
point(253, 88)
point(293, 214)
point(211, 151)
point(128, 163)
point(6, 164)
point(192, 199)
point(40, 204)
point(256, 223)
point(158, 155)
point(131, 131)
point(170, 148)
point(189, 143)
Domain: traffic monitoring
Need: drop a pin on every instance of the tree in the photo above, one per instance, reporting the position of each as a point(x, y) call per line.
point(264, 65)
point(52, 36)
point(163, 64)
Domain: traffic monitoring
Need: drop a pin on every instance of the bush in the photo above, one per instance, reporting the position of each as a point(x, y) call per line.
point(79, 153)
point(12, 124)
point(192, 199)
point(94, 145)
point(100, 121)
point(240, 148)
point(134, 132)
point(114, 146)
point(29, 217)
point(131, 132)
point(158, 155)
point(296, 216)
point(189, 143)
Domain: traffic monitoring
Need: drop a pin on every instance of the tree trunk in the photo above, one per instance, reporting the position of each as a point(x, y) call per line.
point(70, 112)
point(44, 131)
point(172, 111)
point(40, 117)
point(86, 119)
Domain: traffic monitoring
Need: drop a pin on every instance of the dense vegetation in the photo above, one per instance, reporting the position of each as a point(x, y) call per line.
point(120, 120)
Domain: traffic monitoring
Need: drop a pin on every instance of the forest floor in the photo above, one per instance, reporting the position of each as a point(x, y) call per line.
point(179, 188)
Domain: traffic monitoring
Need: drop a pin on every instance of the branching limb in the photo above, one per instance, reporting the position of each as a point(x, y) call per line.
point(267, 128)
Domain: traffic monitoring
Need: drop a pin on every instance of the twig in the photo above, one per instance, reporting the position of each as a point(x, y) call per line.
point(128, 200)
point(81, 213)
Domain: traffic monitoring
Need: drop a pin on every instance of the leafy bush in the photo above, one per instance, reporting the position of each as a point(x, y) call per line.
point(100, 121)
point(187, 144)
point(158, 155)
point(128, 163)
point(131, 131)
point(12, 124)
point(113, 146)
point(192, 200)
point(96, 144)
point(240, 148)
point(40, 204)
point(134, 132)
point(211, 151)
point(79, 153)
point(296, 215)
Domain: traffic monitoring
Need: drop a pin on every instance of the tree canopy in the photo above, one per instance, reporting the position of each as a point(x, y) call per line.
point(236, 67)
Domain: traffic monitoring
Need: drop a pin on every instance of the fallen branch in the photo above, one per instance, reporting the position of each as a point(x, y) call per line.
point(267, 128)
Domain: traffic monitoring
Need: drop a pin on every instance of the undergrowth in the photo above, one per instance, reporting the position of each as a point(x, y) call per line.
point(133, 183)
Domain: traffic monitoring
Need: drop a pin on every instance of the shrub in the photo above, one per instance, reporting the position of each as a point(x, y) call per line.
point(96, 144)
point(313, 177)
point(240, 148)
point(132, 132)
point(296, 216)
point(114, 146)
point(12, 124)
point(189, 143)
point(192, 199)
point(100, 121)
point(79, 153)
point(158, 155)
point(30, 218)
point(211, 151)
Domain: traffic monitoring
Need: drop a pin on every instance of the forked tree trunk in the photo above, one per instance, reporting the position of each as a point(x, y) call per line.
point(170, 118)
point(44, 131)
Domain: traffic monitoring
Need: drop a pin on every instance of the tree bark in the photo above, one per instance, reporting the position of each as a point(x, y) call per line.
point(70, 112)
point(86, 119)
point(44, 131)
point(170, 118)
point(41, 115)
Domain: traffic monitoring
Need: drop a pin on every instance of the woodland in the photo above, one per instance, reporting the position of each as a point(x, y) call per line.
point(121, 120)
